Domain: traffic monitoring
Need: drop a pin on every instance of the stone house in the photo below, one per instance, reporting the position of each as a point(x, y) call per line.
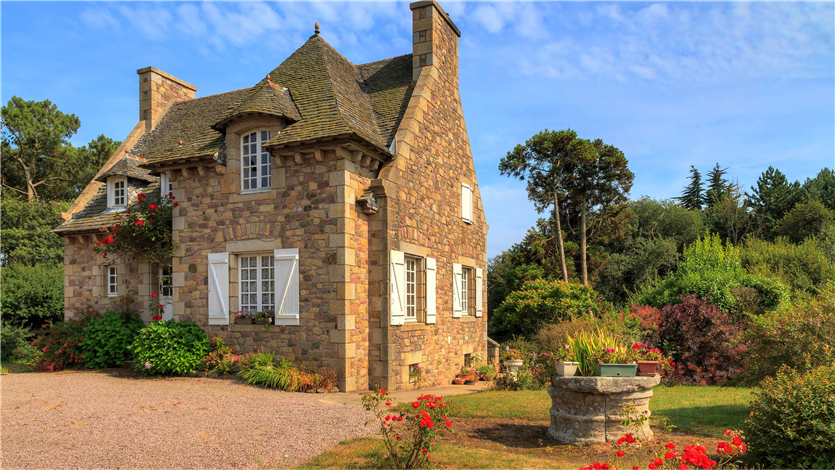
point(341, 196)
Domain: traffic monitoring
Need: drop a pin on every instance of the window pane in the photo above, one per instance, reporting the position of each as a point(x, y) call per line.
point(265, 136)
point(253, 149)
point(265, 159)
point(265, 182)
point(246, 139)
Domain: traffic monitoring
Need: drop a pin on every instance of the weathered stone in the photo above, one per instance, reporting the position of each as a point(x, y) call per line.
point(589, 410)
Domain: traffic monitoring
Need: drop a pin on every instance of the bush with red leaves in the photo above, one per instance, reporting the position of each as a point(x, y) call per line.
point(700, 338)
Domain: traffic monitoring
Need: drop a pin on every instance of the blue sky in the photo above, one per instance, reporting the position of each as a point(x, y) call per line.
point(747, 85)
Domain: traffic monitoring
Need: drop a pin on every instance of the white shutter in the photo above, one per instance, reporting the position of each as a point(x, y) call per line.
point(218, 288)
point(430, 290)
point(467, 203)
point(286, 286)
point(397, 289)
point(479, 277)
point(456, 290)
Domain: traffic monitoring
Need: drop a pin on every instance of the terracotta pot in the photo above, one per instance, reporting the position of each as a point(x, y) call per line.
point(647, 368)
point(467, 376)
point(458, 381)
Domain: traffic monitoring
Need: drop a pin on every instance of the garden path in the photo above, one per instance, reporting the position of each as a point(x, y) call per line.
point(87, 419)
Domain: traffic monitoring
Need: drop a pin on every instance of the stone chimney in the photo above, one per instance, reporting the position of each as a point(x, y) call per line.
point(434, 39)
point(158, 91)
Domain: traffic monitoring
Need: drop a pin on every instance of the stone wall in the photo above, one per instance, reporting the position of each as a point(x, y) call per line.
point(85, 279)
point(420, 214)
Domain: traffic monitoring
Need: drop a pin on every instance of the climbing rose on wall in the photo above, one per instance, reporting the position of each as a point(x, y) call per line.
point(143, 231)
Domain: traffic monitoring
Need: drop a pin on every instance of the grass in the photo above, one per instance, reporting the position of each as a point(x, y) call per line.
point(368, 453)
point(705, 411)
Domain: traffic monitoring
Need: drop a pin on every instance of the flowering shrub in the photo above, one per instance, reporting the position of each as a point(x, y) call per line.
point(107, 339)
point(701, 339)
point(642, 352)
point(408, 436)
point(142, 231)
point(792, 420)
point(416, 375)
point(221, 359)
point(169, 347)
point(60, 346)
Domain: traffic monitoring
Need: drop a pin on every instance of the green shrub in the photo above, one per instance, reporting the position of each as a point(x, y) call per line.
point(266, 370)
point(542, 302)
point(551, 339)
point(169, 347)
point(106, 339)
point(803, 267)
point(221, 359)
point(27, 354)
point(806, 220)
point(488, 372)
point(800, 336)
point(32, 296)
point(11, 338)
point(710, 267)
point(792, 420)
point(60, 346)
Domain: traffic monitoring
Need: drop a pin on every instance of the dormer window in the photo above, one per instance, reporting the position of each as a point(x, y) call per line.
point(117, 192)
point(255, 161)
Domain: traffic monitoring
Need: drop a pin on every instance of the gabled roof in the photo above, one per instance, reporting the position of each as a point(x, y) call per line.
point(129, 167)
point(320, 92)
point(265, 98)
point(92, 217)
point(189, 122)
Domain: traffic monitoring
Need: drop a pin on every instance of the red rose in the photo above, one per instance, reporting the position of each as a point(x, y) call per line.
point(683, 467)
point(176, 204)
point(154, 294)
point(620, 453)
point(416, 404)
point(139, 223)
point(670, 445)
point(448, 424)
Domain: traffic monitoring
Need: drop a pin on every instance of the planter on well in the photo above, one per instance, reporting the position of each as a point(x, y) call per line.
point(587, 410)
point(647, 368)
point(616, 370)
point(567, 369)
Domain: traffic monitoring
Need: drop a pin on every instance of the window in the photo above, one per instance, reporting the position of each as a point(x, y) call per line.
point(117, 192)
point(257, 278)
point(112, 282)
point(255, 161)
point(165, 186)
point(466, 203)
point(412, 292)
point(465, 277)
point(467, 296)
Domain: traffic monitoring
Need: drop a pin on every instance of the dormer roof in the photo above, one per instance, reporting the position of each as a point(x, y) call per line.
point(265, 98)
point(128, 166)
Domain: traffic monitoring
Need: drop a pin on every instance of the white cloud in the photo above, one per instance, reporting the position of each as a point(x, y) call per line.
point(152, 22)
point(489, 18)
point(99, 18)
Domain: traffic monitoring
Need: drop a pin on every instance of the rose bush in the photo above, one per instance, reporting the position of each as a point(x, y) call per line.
point(143, 231)
point(408, 436)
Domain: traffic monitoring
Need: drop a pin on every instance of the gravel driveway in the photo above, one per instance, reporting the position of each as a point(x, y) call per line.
point(96, 420)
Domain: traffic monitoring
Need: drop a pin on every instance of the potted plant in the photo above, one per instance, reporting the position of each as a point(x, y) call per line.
point(649, 360)
point(512, 359)
point(468, 374)
point(565, 364)
point(243, 318)
point(265, 318)
point(585, 348)
point(486, 372)
point(616, 361)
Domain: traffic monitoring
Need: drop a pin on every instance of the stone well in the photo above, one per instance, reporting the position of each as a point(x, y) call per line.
point(587, 410)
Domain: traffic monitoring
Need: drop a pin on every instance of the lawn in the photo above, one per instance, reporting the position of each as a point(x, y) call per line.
point(502, 429)
point(705, 411)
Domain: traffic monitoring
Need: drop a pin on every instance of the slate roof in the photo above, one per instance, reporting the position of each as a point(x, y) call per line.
point(92, 218)
point(265, 98)
point(320, 92)
point(128, 167)
point(190, 122)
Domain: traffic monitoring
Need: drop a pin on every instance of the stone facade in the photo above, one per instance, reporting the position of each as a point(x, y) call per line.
point(318, 203)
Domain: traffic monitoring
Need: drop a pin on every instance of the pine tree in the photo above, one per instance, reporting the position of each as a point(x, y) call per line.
point(693, 196)
point(718, 186)
point(772, 198)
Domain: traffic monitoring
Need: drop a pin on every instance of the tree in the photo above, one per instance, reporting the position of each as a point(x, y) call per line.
point(693, 197)
point(771, 199)
point(717, 185)
point(91, 158)
point(34, 142)
point(820, 188)
point(729, 215)
point(807, 220)
point(598, 183)
point(25, 232)
point(541, 161)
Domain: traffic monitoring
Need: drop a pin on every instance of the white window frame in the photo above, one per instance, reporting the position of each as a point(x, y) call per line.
point(262, 169)
point(260, 287)
point(111, 192)
point(465, 293)
point(165, 186)
point(112, 277)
